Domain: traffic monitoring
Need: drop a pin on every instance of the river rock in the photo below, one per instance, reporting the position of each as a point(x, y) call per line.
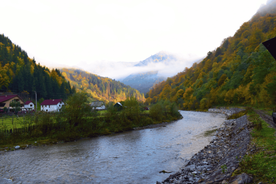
point(5, 181)
point(217, 161)
point(241, 179)
point(16, 147)
point(227, 112)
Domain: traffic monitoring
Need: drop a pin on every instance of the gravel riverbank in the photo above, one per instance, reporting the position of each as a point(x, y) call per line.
point(217, 161)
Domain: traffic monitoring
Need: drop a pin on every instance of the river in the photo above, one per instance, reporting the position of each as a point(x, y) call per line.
point(130, 157)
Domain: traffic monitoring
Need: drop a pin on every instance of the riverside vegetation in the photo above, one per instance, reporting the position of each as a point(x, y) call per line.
point(77, 120)
point(260, 162)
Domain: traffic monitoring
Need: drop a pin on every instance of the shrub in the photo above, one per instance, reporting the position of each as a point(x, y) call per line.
point(77, 108)
point(156, 111)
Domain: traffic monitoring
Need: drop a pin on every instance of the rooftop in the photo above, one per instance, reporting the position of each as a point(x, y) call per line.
point(51, 102)
point(4, 98)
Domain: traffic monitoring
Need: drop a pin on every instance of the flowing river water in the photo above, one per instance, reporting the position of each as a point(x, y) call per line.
point(130, 157)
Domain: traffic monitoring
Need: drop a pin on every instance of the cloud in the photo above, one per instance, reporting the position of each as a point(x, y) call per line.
point(120, 70)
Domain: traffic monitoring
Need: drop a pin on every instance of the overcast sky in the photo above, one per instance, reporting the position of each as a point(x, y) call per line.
point(70, 33)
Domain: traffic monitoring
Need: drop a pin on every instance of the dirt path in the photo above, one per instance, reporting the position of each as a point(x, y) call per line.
point(266, 118)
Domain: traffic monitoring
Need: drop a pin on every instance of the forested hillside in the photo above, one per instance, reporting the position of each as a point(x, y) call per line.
point(143, 81)
point(20, 74)
point(239, 71)
point(100, 88)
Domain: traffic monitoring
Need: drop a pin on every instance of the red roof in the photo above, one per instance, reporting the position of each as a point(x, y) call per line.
point(28, 102)
point(6, 97)
point(51, 102)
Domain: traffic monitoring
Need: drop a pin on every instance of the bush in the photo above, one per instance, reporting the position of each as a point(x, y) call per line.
point(156, 111)
point(76, 109)
point(164, 109)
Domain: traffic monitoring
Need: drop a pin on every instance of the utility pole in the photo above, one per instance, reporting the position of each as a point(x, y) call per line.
point(35, 101)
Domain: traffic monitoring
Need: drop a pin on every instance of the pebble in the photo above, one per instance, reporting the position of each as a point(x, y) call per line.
point(216, 162)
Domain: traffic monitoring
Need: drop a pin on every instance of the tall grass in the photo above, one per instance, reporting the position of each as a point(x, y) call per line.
point(261, 163)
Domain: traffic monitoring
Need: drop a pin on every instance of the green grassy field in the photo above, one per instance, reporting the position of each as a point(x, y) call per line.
point(7, 122)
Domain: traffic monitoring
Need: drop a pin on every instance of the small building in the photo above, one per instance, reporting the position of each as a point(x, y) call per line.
point(53, 105)
point(29, 106)
point(118, 106)
point(5, 101)
point(98, 105)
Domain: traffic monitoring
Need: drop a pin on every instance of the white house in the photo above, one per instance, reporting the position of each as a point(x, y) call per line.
point(98, 105)
point(53, 105)
point(29, 106)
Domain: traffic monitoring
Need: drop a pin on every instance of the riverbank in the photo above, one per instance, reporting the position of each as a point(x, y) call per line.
point(128, 157)
point(217, 161)
point(45, 141)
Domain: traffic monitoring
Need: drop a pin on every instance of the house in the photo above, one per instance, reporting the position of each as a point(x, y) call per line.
point(98, 105)
point(29, 106)
point(53, 105)
point(5, 101)
point(118, 106)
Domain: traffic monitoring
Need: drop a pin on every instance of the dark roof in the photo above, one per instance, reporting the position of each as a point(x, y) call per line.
point(7, 97)
point(118, 103)
point(28, 102)
point(51, 102)
point(271, 46)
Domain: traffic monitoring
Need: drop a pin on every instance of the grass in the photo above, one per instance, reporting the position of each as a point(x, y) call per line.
point(7, 122)
point(145, 112)
point(262, 163)
point(102, 113)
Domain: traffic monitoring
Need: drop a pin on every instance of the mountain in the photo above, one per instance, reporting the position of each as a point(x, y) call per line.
point(160, 57)
point(100, 88)
point(154, 69)
point(143, 81)
point(240, 71)
point(22, 75)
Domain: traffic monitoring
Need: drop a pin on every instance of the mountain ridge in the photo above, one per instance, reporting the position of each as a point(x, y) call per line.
point(99, 88)
point(240, 71)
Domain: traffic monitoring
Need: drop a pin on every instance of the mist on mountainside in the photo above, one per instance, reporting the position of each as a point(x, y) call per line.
point(143, 81)
point(153, 70)
point(268, 8)
point(167, 65)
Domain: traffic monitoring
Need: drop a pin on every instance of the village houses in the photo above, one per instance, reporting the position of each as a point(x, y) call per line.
point(98, 105)
point(29, 106)
point(53, 105)
point(5, 101)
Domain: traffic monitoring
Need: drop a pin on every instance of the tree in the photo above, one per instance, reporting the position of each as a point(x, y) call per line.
point(222, 79)
point(16, 106)
point(271, 90)
point(132, 109)
point(77, 108)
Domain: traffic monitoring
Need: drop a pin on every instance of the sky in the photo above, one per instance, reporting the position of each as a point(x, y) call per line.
point(86, 33)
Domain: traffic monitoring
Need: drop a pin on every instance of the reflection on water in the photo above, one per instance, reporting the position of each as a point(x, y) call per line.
point(130, 157)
